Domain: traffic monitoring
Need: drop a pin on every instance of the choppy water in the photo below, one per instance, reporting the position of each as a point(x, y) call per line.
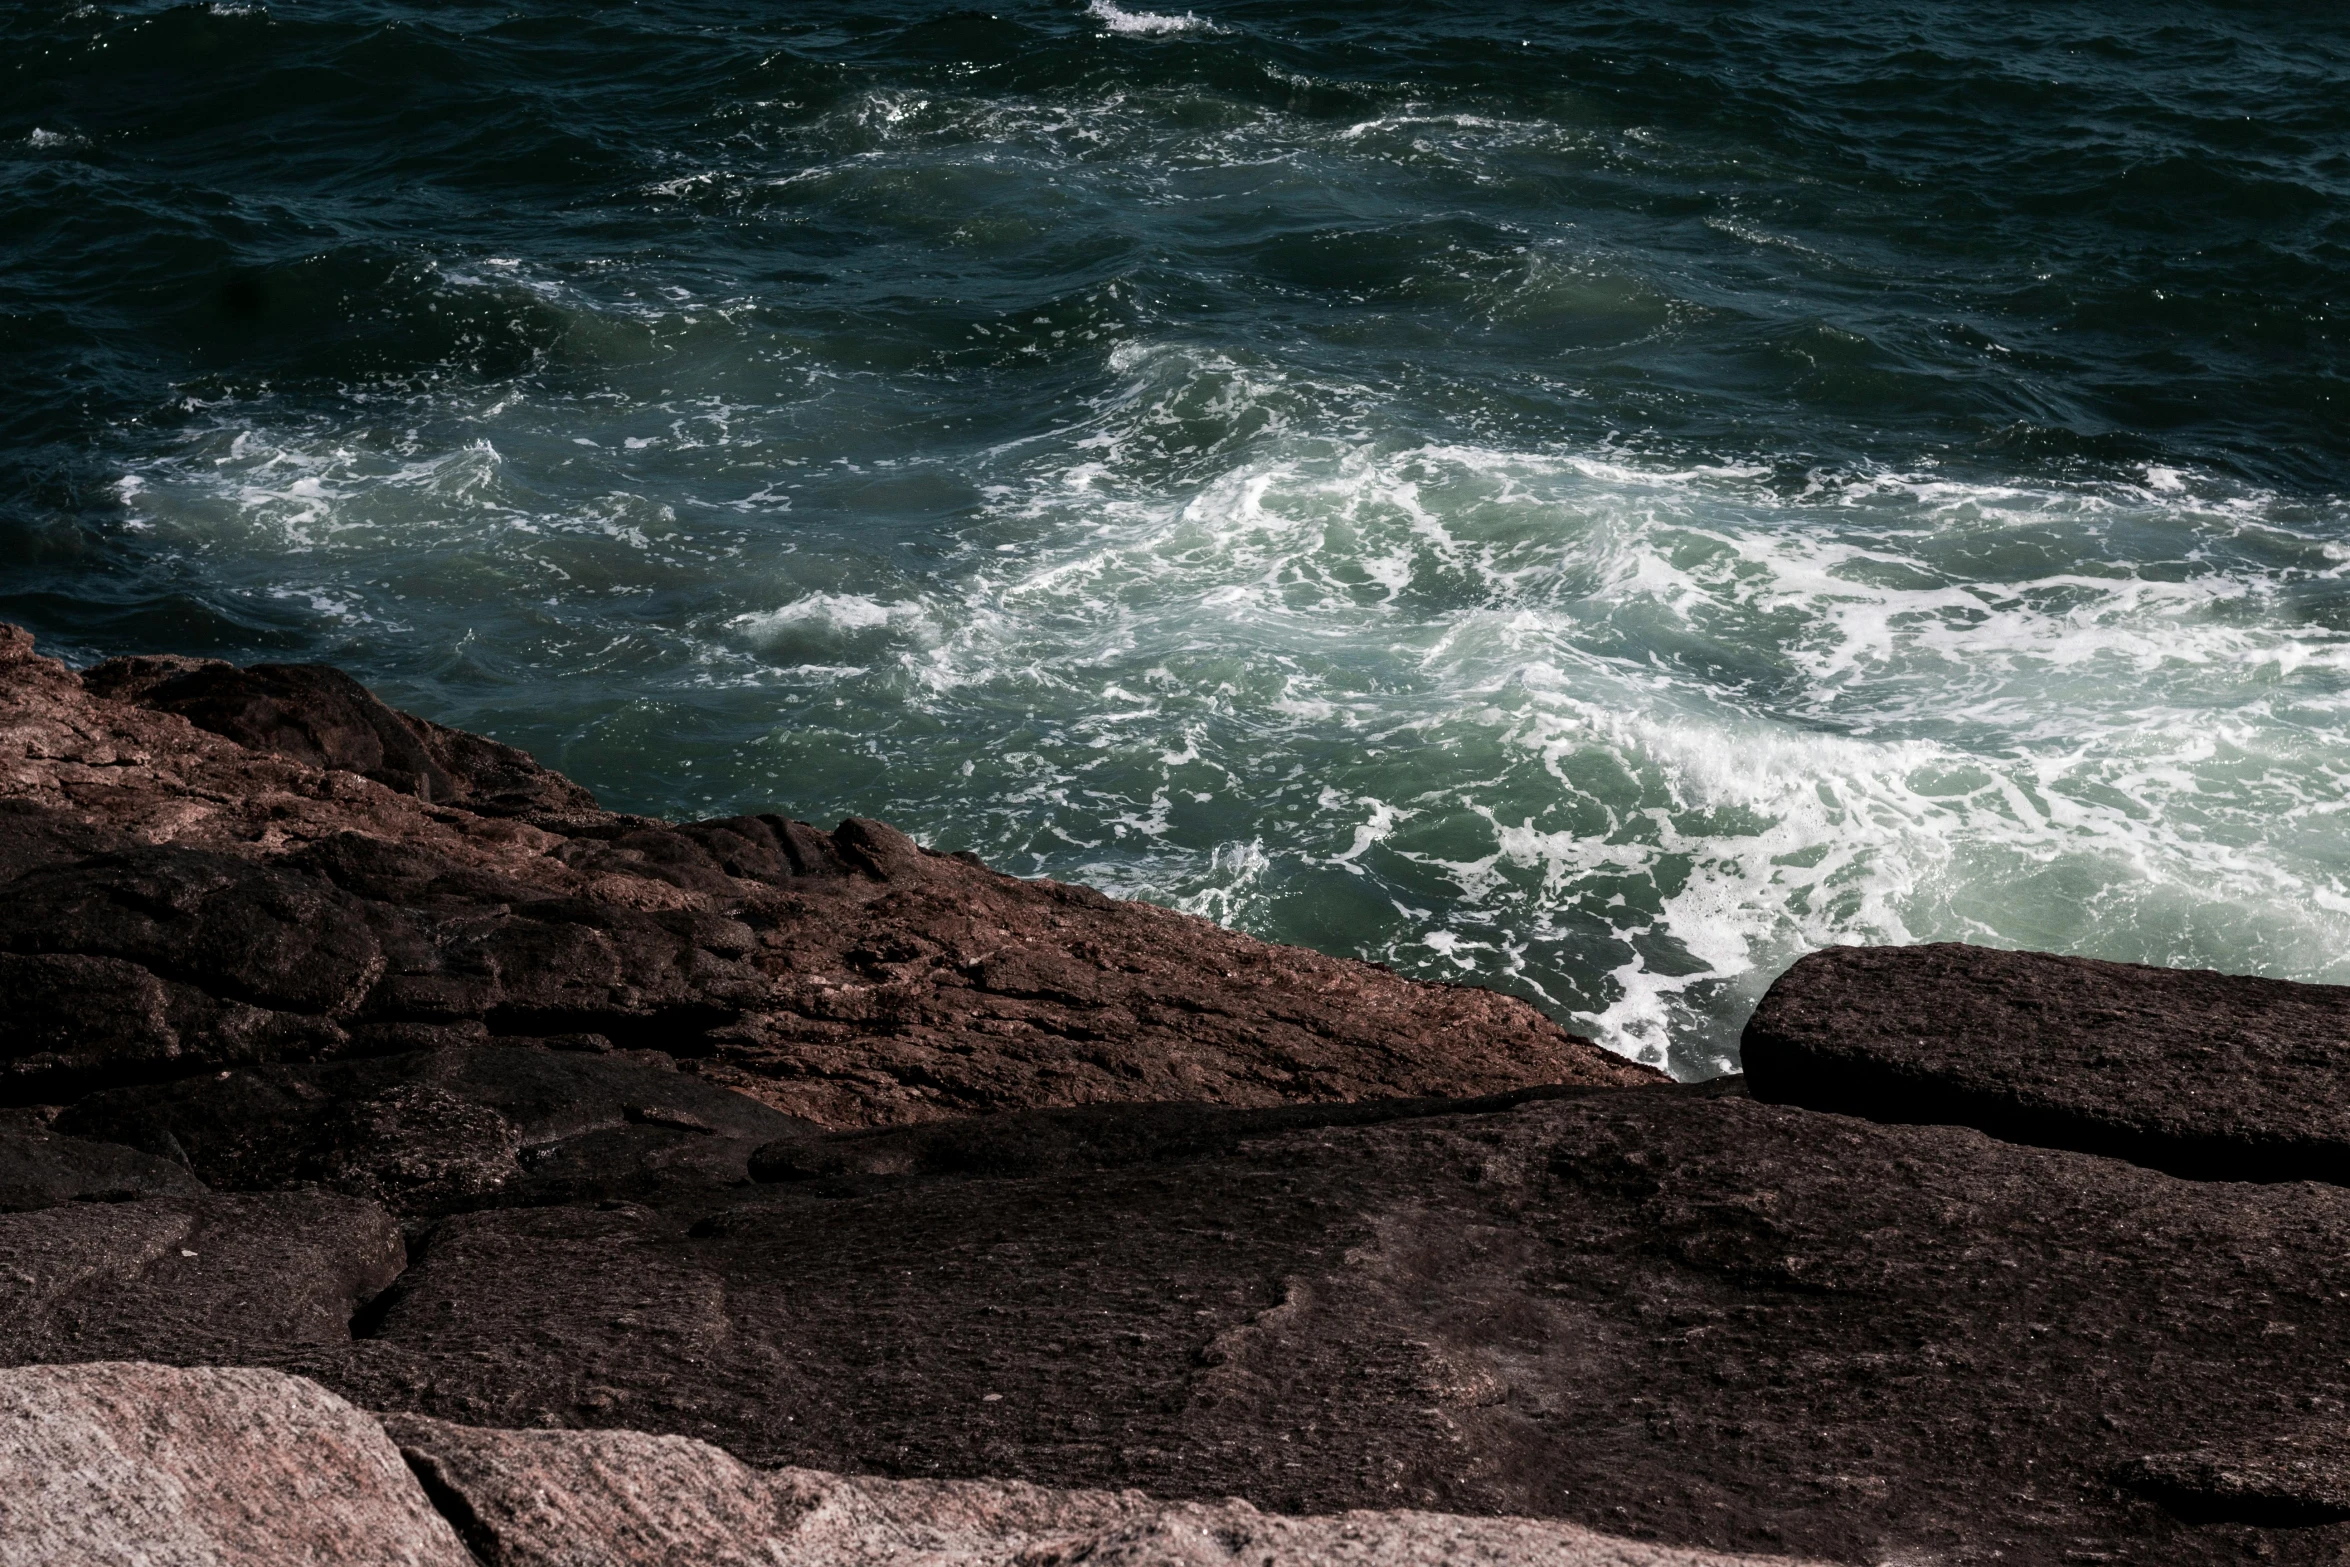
point(1592, 499)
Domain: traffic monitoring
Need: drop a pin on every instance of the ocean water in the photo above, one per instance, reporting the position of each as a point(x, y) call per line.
point(1589, 499)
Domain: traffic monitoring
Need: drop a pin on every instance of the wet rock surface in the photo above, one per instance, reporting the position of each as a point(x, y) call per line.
point(345, 1045)
point(2211, 1076)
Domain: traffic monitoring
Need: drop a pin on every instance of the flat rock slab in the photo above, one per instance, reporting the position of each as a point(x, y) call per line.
point(628, 1499)
point(2210, 1076)
point(1674, 1315)
point(110, 1463)
point(102, 1465)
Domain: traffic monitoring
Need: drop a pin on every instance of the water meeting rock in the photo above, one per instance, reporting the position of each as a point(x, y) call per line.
point(847, 1157)
point(203, 868)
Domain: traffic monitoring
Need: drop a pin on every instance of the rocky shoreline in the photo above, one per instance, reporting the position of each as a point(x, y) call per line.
point(519, 1151)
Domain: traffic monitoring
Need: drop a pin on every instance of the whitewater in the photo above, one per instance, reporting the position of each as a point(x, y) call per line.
point(1591, 505)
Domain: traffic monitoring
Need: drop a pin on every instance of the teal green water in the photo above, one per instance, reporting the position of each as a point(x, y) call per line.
point(1594, 500)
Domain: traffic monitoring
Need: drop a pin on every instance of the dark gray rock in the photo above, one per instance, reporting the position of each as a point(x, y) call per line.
point(40, 1169)
point(191, 1280)
point(251, 932)
point(433, 1132)
point(2211, 1076)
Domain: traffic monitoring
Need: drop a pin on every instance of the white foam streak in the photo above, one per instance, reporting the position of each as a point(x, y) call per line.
point(1145, 23)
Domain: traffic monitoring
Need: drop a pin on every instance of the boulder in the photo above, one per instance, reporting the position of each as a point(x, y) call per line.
point(102, 1465)
point(319, 716)
point(2210, 1076)
point(627, 1499)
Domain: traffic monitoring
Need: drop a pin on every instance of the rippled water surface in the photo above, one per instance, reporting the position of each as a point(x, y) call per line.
point(1590, 499)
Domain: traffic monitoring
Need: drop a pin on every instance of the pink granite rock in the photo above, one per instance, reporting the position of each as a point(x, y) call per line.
point(626, 1499)
point(116, 1463)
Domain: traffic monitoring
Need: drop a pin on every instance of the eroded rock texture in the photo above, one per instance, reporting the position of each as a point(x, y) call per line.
point(214, 1278)
point(39, 1169)
point(102, 1465)
point(208, 868)
point(106, 1464)
point(426, 1133)
point(2213, 1076)
point(626, 1499)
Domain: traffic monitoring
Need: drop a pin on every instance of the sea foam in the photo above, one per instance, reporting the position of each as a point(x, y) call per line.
point(1145, 23)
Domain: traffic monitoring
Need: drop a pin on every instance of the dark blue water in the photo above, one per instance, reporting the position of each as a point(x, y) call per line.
point(1591, 499)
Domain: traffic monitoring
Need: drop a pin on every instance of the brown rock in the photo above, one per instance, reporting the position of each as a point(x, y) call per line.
point(206, 867)
point(239, 1278)
point(2211, 1076)
point(102, 1465)
point(1673, 1314)
point(318, 715)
